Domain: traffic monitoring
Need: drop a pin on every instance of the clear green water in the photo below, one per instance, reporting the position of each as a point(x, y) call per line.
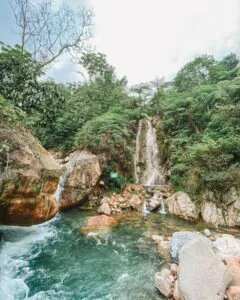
point(55, 261)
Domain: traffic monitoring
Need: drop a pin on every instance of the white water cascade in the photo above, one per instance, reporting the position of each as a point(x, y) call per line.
point(148, 170)
point(145, 210)
point(162, 207)
point(147, 165)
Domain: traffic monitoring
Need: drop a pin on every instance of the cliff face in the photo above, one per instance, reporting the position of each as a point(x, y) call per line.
point(28, 175)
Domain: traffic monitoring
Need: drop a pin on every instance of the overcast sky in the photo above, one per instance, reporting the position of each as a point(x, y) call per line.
point(148, 38)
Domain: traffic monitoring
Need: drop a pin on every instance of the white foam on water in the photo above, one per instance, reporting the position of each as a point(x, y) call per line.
point(123, 277)
point(15, 253)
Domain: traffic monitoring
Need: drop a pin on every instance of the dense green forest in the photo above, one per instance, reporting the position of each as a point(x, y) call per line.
point(197, 113)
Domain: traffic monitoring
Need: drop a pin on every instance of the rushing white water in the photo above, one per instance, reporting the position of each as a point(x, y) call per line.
point(145, 210)
point(146, 160)
point(60, 188)
point(162, 207)
point(15, 255)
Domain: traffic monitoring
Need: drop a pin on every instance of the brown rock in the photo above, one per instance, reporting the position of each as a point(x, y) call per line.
point(233, 293)
point(135, 202)
point(82, 173)
point(134, 188)
point(28, 184)
point(98, 223)
point(105, 209)
point(176, 292)
point(174, 269)
point(233, 267)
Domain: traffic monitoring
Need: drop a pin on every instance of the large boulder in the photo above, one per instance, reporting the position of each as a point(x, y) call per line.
point(180, 204)
point(201, 273)
point(81, 174)
point(228, 214)
point(180, 239)
point(29, 177)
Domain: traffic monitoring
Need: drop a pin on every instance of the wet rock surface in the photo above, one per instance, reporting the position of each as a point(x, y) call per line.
point(98, 224)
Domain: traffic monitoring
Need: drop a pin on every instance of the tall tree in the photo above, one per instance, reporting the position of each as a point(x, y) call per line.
point(194, 73)
point(47, 32)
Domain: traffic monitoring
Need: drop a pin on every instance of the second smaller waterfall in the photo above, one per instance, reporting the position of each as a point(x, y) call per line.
point(162, 207)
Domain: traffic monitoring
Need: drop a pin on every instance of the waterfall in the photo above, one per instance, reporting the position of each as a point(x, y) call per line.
point(146, 160)
point(145, 210)
point(60, 187)
point(162, 207)
point(68, 169)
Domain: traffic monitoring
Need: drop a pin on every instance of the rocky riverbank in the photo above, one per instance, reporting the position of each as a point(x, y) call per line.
point(204, 266)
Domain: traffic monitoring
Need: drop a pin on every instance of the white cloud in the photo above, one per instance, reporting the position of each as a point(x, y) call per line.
point(145, 39)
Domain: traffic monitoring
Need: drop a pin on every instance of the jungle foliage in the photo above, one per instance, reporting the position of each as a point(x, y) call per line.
point(200, 115)
point(198, 112)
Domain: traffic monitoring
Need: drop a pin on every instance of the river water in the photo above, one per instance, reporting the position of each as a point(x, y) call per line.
point(55, 261)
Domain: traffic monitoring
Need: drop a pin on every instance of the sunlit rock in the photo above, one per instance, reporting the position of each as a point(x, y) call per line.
point(28, 184)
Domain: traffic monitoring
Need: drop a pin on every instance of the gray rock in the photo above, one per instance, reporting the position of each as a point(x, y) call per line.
point(227, 246)
point(163, 282)
point(180, 204)
point(229, 216)
point(201, 274)
point(178, 240)
point(212, 214)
